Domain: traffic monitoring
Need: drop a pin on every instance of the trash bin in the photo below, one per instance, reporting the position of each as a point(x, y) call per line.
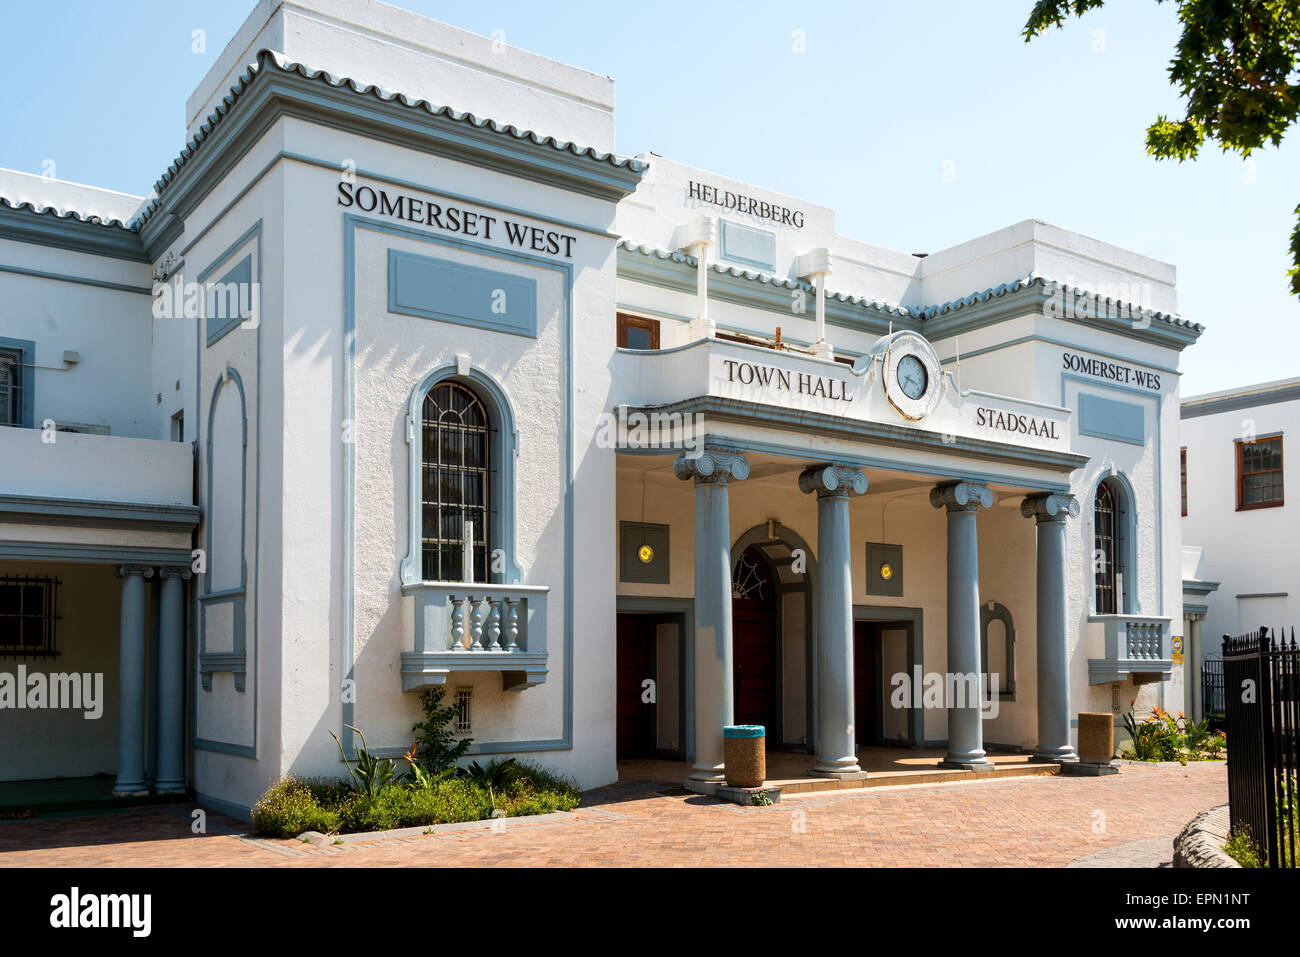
point(745, 754)
point(1096, 737)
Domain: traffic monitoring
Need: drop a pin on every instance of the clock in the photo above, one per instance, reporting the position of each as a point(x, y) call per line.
point(912, 377)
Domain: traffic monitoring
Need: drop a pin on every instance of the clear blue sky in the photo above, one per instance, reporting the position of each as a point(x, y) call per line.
point(863, 121)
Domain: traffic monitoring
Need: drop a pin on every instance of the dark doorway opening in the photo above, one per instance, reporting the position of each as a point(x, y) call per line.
point(754, 645)
point(867, 704)
point(635, 665)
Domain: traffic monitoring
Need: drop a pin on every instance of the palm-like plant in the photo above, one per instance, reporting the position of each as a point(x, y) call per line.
point(371, 775)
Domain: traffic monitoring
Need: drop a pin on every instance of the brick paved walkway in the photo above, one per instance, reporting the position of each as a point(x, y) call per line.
point(1041, 821)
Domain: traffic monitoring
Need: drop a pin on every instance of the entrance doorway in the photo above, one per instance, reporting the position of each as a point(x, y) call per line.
point(754, 646)
point(635, 664)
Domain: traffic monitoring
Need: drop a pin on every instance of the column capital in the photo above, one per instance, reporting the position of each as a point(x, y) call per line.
point(1050, 506)
point(175, 571)
point(711, 467)
point(832, 480)
point(126, 571)
point(961, 496)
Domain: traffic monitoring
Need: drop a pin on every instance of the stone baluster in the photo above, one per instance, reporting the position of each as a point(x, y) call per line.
point(457, 624)
point(512, 624)
point(476, 624)
point(494, 624)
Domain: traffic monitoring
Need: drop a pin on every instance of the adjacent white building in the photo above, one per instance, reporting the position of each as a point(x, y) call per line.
point(403, 378)
point(1240, 553)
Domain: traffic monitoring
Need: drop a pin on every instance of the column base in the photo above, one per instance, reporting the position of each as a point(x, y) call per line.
point(130, 789)
point(853, 774)
point(170, 787)
point(709, 773)
point(822, 349)
point(1064, 755)
point(967, 762)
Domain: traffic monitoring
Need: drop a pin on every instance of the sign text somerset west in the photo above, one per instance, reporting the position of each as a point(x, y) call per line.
point(1113, 371)
point(785, 380)
point(453, 219)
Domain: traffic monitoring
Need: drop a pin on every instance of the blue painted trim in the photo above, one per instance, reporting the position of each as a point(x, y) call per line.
point(744, 731)
point(80, 280)
point(866, 461)
point(26, 350)
point(43, 510)
point(731, 234)
point(1159, 399)
point(234, 661)
point(1111, 419)
point(351, 223)
point(1194, 409)
point(219, 326)
point(197, 742)
point(450, 289)
point(94, 554)
point(505, 450)
point(26, 224)
point(1061, 343)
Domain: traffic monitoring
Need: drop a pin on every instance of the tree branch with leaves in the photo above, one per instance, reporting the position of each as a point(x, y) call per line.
point(1237, 65)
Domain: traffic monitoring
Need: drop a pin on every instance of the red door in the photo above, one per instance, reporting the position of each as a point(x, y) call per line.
point(635, 663)
point(866, 682)
point(753, 631)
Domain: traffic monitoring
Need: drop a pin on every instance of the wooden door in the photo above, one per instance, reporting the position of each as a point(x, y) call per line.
point(635, 663)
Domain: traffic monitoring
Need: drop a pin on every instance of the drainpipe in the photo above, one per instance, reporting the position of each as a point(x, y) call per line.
point(695, 238)
point(815, 266)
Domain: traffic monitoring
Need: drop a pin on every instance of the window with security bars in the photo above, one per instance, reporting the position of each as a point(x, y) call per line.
point(11, 387)
point(1105, 527)
point(464, 698)
point(457, 437)
point(1259, 473)
point(28, 614)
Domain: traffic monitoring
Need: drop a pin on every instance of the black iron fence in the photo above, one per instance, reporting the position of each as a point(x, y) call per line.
point(1261, 684)
point(1212, 706)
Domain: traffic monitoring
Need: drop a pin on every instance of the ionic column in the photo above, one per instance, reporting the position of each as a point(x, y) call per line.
point(171, 682)
point(131, 681)
point(712, 470)
point(837, 745)
point(1050, 512)
point(965, 732)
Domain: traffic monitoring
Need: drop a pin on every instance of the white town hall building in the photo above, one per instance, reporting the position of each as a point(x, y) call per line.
point(403, 378)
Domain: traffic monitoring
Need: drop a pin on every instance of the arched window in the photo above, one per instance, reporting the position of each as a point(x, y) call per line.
point(456, 483)
point(1112, 549)
point(1104, 548)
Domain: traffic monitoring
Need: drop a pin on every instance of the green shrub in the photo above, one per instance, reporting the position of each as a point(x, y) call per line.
point(435, 742)
point(288, 808)
point(1242, 849)
point(1163, 737)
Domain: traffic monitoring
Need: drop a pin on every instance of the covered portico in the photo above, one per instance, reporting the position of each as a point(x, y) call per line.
point(110, 574)
point(802, 488)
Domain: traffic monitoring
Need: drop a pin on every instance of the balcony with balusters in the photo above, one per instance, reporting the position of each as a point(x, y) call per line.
point(1132, 646)
point(463, 626)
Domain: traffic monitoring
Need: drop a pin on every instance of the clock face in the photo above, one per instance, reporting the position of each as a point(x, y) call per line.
point(912, 377)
